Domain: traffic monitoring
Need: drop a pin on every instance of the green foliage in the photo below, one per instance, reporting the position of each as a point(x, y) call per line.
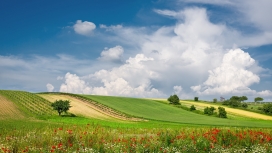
point(243, 98)
point(192, 108)
point(267, 109)
point(257, 99)
point(215, 100)
point(61, 106)
point(222, 112)
point(174, 99)
point(244, 105)
point(226, 102)
point(209, 110)
point(196, 98)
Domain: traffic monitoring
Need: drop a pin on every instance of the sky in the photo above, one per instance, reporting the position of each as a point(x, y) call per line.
point(143, 48)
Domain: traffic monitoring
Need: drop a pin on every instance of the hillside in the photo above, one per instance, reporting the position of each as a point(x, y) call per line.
point(25, 103)
point(85, 108)
point(20, 104)
point(9, 110)
point(160, 111)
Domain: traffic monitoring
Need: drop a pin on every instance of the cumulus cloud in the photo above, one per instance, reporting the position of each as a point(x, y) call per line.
point(113, 54)
point(73, 84)
point(50, 87)
point(188, 53)
point(232, 76)
point(130, 79)
point(84, 28)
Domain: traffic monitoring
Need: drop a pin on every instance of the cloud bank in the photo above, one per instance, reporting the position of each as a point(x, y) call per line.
point(194, 53)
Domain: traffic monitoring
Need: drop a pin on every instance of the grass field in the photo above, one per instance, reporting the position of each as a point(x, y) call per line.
point(150, 109)
point(168, 129)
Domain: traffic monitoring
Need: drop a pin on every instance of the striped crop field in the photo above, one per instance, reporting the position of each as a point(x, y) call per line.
point(29, 103)
point(9, 110)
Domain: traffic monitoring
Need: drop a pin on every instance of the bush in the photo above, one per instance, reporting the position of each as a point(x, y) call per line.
point(209, 111)
point(267, 109)
point(192, 108)
point(244, 105)
point(222, 112)
point(196, 98)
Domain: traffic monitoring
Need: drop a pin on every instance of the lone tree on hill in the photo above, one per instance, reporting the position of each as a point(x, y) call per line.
point(258, 99)
point(61, 106)
point(174, 99)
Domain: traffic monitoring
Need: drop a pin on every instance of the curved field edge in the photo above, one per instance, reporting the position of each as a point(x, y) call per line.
point(152, 110)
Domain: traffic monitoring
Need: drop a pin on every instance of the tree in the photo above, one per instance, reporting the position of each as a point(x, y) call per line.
point(258, 99)
point(196, 98)
point(222, 112)
point(174, 99)
point(215, 100)
point(243, 98)
point(235, 101)
point(61, 106)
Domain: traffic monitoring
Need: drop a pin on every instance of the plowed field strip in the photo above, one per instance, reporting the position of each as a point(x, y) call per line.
point(9, 109)
point(78, 107)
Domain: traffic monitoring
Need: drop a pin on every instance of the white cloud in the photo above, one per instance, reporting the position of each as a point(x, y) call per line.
point(111, 28)
point(73, 84)
point(232, 76)
point(50, 87)
point(84, 28)
point(130, 79)
point(166, 12)
point(113, 54)
point(59, 78)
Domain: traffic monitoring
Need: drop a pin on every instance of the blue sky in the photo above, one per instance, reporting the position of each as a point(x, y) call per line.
point(205, 48)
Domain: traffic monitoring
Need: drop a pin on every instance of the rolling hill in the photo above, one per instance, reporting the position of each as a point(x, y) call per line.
point(24, 104)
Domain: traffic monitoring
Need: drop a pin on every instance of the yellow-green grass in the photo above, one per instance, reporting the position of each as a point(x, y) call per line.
point(154, 110)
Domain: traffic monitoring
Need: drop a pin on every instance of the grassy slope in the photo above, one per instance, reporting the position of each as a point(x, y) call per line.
point(158, 111)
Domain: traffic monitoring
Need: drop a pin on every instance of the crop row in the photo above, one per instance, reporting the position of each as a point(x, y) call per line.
point(29, 102)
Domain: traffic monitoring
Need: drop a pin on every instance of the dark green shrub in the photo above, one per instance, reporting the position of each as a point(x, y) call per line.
point(267, 109)
point(244, 105)
point(209, 111)
point(192, 108)
point(222, 112)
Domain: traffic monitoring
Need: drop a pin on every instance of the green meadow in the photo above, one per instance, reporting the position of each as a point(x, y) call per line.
point(28, 124)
